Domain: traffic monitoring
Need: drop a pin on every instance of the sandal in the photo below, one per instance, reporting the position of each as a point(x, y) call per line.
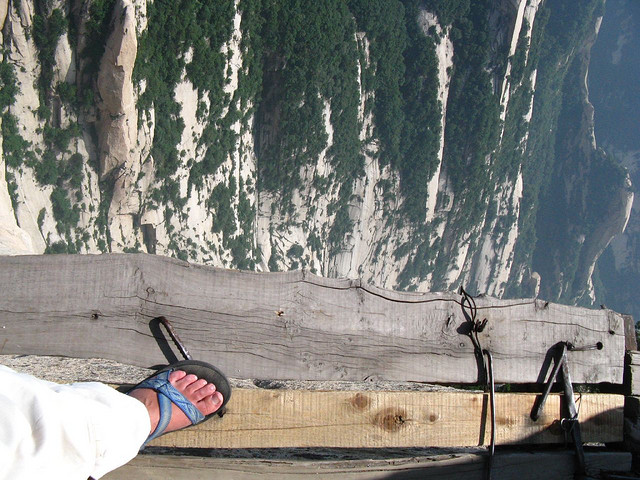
point(168, 394)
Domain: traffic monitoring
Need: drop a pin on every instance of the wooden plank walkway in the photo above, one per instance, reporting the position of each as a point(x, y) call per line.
point(347, 415)
point(260, 418)
point(291, 325)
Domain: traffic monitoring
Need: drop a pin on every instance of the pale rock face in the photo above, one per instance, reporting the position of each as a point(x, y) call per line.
point(13, 240)
point(620, 207)
point(519, 7)
point(196, 222)
point(530, 16)
point(372, 240)
point(535, 278)
point(623, 245)
point(489, 265)
point(117, 126)
point(276, 232)
point(497, 253)
point(65, 69)
point(444, 52)
point(118, 119)
point(589, 123)
point(31, 197)
point(489, 269)
point(612, 225)
point(34, 211)
point(124, 147)
point(523, 10)
point(4, 7)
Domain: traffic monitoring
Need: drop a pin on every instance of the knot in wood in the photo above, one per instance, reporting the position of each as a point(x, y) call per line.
point(391, 419)
point(360, 401)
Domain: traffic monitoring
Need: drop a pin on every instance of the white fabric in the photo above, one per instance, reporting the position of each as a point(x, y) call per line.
point(66, 432)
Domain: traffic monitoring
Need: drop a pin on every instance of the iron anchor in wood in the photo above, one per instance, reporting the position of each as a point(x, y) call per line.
point(570, 423)
point(174, 336)
point(183, 350)
point(485, 364)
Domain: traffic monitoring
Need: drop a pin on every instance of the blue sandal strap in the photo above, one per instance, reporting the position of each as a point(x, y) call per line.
point(165, 407)
point(168, 395)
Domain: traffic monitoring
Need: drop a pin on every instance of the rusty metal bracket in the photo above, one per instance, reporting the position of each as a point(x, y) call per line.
point(174, 336)
point(570, 424)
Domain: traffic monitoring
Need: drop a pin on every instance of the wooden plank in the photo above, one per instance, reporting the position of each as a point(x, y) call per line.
point(259, 418)
point(345, 414)
point(631, 342)
point(291, 325)
point(511, 466)
point(633, 373)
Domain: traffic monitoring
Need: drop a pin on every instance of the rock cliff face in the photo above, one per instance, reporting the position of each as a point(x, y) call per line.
point(408, 148)
point(13, 239)
point(615, 94)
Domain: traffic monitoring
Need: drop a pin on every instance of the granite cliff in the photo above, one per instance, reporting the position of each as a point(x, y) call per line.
point(417, 145)
point(615, 94)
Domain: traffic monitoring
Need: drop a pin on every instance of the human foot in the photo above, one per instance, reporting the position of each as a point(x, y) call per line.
point(199, 392)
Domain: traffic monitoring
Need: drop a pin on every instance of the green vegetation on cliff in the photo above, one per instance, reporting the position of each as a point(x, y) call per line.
point(175, 28)
point(557, 214)
point(309, 59)
point(305, 71)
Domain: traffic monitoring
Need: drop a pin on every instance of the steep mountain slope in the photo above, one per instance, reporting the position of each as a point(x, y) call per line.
point(615, 93)
point(415, 144)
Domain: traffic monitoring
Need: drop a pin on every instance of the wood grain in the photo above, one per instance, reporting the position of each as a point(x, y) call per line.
point(511, 466)
point(291, 325)
point(259, 418)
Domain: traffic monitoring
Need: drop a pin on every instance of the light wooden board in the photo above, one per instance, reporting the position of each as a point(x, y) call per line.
point(512, 466)
point(351, 415)
point(286, 325)
point(633, 373)
point(259, 418)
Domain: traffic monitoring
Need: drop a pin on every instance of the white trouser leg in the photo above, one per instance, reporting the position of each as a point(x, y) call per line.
point(66, 432)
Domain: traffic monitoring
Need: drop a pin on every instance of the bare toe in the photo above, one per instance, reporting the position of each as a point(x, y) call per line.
point(205, 391)
point(195, 386)
point(210, 404)
point(185, 381)
point(176, 375)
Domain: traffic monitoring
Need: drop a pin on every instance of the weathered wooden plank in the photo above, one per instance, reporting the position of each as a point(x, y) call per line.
point(633, 373)
point(259, 418)
point(511, 466)
point(287, 325)
point(631, 342)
